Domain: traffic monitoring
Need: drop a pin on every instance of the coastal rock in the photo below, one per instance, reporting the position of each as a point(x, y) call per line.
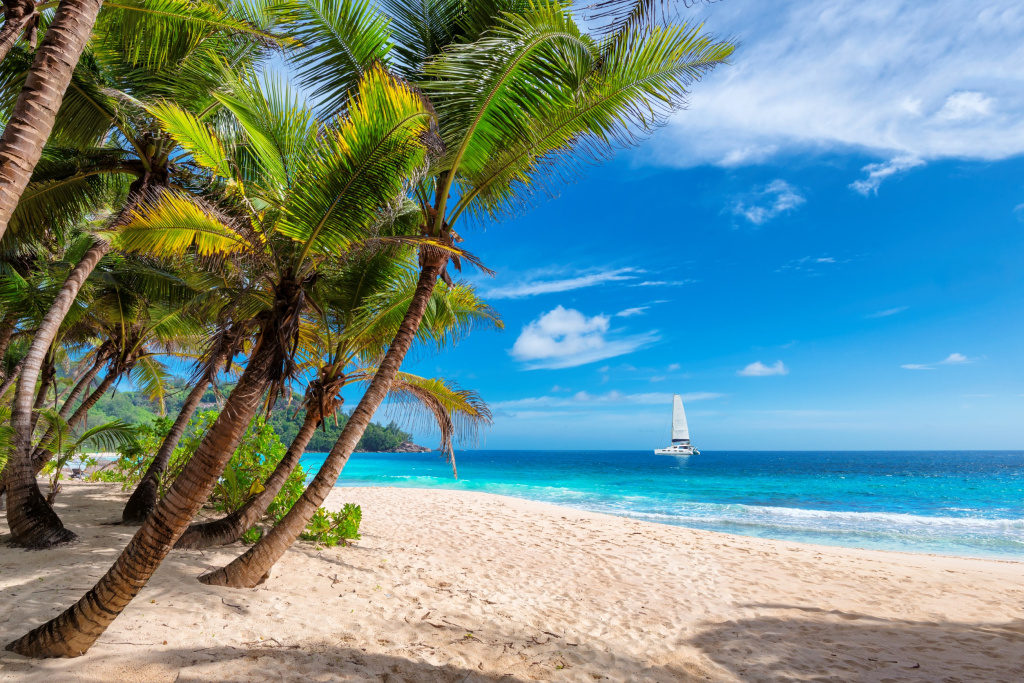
point(410, 447)
point(404, 447)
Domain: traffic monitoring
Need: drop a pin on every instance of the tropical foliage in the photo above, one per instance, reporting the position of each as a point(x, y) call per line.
point(184, 224)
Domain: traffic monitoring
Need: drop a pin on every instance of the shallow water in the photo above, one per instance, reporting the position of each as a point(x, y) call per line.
point(967, 503)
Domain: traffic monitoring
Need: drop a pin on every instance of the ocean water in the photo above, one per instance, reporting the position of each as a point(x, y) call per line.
point(968, 503)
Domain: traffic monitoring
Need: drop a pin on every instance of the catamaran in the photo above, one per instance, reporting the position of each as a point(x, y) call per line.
point(680, 432)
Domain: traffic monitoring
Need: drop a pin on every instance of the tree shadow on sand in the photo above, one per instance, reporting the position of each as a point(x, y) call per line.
point(805, 643)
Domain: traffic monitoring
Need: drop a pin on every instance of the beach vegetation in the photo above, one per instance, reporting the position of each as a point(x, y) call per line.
point(179, 220)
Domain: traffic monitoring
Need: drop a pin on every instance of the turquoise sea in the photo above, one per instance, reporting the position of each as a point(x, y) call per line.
point(967, 503)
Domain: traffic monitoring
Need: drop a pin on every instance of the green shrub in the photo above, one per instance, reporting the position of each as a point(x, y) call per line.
point(333, 528)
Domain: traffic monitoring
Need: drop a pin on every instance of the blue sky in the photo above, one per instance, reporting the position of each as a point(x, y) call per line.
point(824, 251)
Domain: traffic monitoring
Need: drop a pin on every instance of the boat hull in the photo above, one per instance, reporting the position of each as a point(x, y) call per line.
point(676, 450)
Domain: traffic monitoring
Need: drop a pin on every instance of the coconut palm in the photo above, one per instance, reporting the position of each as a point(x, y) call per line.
point(67, 445)
point(108, 137)
point(148, 33)
point(225, 345)
point(531, 98)
point(308, 202)
point(358, 306)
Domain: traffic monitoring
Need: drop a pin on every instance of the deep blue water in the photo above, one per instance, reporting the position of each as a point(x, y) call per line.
point(950, 502)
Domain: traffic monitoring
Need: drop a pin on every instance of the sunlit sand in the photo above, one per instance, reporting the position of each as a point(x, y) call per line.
point(467, 587)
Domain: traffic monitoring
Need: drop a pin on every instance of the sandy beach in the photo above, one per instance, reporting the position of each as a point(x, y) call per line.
point(469, 587)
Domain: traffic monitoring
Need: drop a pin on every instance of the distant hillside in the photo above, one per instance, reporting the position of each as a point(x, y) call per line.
point(133, 407)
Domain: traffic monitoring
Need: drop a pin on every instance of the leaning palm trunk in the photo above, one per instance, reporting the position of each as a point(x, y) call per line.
point(33, 523)
point(41, 456)
point(230, 528)
point(73, 632)
point(38, 455)
point(17, 15)
point(7, 326)
point(8, 381)
point(253, 567)
point(143, 499)
point(36, 109)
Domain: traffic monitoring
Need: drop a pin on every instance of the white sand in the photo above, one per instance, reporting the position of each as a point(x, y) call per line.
point(464, 587)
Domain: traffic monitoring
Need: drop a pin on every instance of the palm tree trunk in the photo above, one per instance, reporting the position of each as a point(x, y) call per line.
point(41, 456)
point(17, 14)
point(48, 373)
point(33, 523)
point(36, 109)
point(144, 497)
point(73, 632)
point(7, 325)
point(68, 404)
point(230, 528)
point(253, 567)
point(8, 381)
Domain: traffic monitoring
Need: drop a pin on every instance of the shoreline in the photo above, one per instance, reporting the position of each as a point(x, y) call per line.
point(556, 507)
point(460, 586)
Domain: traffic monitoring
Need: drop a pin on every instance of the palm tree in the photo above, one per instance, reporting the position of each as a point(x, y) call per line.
point(104, 104)
point(307, 203)
point(142, 502)
point(359, 305)
point(18, 16)
point(147, 32)
point(67, 444)
point(533, 93)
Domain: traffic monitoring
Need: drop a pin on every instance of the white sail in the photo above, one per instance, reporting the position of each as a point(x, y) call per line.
point(680, 432)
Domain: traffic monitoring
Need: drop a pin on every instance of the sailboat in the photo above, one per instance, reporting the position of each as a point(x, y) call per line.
point(680, 432)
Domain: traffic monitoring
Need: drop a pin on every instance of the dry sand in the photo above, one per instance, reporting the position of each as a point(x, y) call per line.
point(468, 587)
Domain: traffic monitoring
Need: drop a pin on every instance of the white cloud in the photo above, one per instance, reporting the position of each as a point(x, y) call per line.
point(609, 398)
point(891, 77)
point(879, 172)
point(807, 264)
point(630, 312)
point(1018, 211)
point(887, 312)
point(565, 338)
point(521, 290)
point(759, 369)
point(660, 283)
point(951, 359)
point(674, 366)
point(774, 199)
point(965, 105)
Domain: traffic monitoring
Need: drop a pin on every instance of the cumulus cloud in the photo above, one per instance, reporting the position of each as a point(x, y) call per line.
point(759, 369)
point(879, 172)
point(887, 312)
point(894, 78)
point(533, 287)
point(565, 338)
point(951, 359)
point(764, 204)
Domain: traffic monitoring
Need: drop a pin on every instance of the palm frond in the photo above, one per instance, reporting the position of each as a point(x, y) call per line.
point(457, 414)
point(174, 225)
point(150, 376)
point(359, 165)
point(639, 85)
point(153, 33)
point(340, 40)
